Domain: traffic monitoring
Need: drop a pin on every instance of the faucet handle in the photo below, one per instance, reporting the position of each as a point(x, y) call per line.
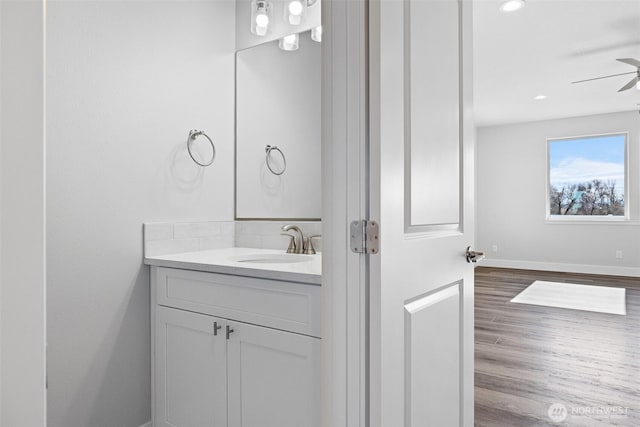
point(292, 243)
point(309, 249)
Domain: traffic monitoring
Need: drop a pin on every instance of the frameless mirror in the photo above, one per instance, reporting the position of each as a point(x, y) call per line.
point(278, 131)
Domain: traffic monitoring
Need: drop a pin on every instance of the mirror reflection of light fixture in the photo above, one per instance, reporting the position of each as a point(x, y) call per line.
point(511, 5)
point(294, 11)
point(316, 34)
point(289, 42)
point(260, 17)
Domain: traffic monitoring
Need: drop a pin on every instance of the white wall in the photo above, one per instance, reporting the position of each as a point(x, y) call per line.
point(278, 103)
point(126, 81)
point(511, 196)
point(1, 206)
point(22, 247)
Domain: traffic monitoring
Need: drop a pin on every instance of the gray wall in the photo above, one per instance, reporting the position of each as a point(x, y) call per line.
point(511, 196)
point(125, 83)
point(22, 269)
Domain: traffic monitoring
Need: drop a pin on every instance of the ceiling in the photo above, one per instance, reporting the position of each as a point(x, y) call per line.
point(542, 48)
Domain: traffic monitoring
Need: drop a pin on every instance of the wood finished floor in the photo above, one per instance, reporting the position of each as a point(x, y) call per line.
point(528, 357)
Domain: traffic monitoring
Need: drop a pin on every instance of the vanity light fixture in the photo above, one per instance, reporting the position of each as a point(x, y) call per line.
point(511, 5)
point(316, 34)
point(260, 11)
point(295, 11)
point(289, 42)
point(540, 97)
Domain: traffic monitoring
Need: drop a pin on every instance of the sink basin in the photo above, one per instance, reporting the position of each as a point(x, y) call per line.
point(272, 258)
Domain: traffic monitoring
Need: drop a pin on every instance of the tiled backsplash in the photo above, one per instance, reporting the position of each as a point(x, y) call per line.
point(161, 238)
point(268, 234)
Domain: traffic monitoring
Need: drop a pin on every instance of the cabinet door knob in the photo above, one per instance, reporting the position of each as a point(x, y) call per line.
point(216, 328)
point(229, 331)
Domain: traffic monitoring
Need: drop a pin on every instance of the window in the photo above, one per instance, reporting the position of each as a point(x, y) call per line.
point(587, 176)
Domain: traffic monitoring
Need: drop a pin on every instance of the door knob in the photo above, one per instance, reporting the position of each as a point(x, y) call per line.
point(474, 256)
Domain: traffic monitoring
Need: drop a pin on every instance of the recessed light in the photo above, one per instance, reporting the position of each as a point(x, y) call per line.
point(539, 97)
point(511, 5)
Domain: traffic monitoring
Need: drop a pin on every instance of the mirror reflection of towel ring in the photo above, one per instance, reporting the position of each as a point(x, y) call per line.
point(268, 149)
point(193, 134)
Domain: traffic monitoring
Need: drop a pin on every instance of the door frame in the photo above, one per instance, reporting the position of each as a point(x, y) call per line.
point(345, 180)
point(23, 332)
point(344, 199)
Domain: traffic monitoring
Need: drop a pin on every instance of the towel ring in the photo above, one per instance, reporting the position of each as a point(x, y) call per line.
point(268, 149)
point(193, 134)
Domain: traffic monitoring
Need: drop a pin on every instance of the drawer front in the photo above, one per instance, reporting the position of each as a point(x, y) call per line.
point(289, 306)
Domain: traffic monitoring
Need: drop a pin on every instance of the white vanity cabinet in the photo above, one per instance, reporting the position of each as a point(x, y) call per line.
point(234, 351)
point(190, 370)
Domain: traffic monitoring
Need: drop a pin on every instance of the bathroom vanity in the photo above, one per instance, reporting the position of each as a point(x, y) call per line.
point(236, 331)
point(235, 338)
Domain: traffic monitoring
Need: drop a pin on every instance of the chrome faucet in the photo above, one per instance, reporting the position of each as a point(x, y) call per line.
point(298, 241)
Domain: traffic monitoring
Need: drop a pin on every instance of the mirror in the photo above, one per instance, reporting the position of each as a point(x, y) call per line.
point(278, 106)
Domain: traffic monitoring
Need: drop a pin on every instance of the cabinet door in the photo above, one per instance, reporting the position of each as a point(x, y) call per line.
point(274, 378)
point(190, 370)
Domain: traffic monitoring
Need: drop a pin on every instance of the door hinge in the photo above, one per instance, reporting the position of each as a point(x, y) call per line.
point(365, 237)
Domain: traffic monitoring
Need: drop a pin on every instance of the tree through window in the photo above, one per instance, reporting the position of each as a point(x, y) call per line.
point(587, 175)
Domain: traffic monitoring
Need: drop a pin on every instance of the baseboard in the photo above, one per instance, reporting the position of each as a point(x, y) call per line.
point(147, 424)
point(607, 270)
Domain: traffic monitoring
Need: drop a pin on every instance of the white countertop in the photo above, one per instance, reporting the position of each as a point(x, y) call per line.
point(225, 261)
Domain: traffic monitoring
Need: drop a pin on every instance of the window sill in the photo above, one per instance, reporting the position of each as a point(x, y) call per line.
point(591, 221)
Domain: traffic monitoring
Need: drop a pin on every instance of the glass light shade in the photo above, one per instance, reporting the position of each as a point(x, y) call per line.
point(260, 17)
point(295, 11)
point(512, 5)
point(316, 34)
point(289, 42)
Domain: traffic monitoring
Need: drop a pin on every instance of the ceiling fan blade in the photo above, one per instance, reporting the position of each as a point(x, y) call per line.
point(605, 77)
point(630, 61)
point(629, 85)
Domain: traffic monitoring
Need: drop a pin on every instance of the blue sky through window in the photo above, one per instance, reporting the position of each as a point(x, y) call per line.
point(580, 160)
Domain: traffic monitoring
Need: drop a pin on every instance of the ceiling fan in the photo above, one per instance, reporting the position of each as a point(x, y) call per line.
point(632, 83)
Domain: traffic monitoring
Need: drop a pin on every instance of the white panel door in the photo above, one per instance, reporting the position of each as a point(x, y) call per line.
point(191, 371)
point(421, 191)
point(274, 378)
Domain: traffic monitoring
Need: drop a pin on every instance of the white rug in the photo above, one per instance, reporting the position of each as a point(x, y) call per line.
point(601, 299)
